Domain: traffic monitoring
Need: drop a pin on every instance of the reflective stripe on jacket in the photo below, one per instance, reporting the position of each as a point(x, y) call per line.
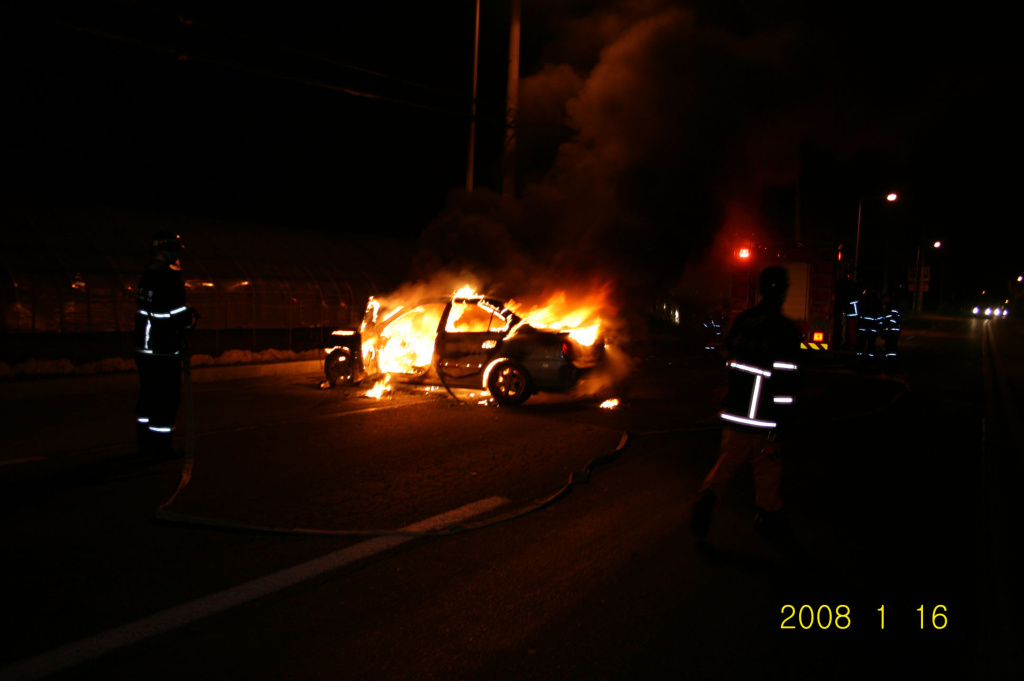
point(758, 395)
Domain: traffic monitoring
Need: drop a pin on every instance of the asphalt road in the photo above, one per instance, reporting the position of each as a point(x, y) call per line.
point(900, 484)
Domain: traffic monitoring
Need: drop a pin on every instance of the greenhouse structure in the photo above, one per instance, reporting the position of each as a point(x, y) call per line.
point(68, 278)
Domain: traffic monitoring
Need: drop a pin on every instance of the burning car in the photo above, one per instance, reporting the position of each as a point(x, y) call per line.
point(466, 340)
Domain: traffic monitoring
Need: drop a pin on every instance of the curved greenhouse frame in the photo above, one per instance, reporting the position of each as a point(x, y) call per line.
point(68, 278)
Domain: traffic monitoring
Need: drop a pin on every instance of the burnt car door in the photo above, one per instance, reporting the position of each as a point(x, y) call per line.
point(470, 334)
point(403, 341)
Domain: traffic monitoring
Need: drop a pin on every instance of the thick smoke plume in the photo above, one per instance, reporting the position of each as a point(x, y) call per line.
point(646, 129)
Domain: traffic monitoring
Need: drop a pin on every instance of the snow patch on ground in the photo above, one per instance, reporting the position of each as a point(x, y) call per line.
point(64, 367)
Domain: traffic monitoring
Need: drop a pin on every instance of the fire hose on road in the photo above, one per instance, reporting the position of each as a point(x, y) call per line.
point(165, 514)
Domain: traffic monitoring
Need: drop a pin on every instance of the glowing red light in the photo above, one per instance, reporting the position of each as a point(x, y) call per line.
point(744, 253)
point(818, 336)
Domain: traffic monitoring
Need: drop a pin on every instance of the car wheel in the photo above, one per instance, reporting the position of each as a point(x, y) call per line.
point(509, 383)
point(339, 366)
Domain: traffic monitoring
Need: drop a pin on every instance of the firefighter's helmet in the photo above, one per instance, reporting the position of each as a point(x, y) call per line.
point(166, 242)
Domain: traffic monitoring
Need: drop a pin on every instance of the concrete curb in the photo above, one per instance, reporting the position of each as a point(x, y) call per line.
point(18, 389)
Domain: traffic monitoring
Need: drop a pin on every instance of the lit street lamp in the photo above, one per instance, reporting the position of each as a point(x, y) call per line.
point(890, 197)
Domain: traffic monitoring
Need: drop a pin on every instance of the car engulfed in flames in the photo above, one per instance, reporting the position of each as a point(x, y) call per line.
point(468, 340)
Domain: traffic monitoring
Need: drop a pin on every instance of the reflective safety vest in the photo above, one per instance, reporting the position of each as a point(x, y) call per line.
point(758, 396)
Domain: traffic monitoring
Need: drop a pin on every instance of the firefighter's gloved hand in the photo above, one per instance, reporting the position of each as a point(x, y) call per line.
point(195, 318)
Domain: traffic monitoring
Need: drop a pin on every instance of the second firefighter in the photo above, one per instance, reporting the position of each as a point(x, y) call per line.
point(761, 348)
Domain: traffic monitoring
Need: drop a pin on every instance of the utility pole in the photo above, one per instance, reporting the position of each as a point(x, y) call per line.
point(923, 273)
point(890, 197)
point(472, 109)
point(796, 207)
point(919, 285)
point(508, 183)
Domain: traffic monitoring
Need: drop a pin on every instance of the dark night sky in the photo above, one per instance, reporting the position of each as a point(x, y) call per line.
point(646, 126)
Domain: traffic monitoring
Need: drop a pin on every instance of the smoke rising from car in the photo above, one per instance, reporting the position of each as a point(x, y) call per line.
point(644, 127)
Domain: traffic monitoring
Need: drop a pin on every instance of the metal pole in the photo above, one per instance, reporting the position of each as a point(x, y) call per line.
point(919, 299)
point(919, 293)
point(472, 110)
point(796, 211)
point(885, 265)
point(856, 248)
point(508, 185)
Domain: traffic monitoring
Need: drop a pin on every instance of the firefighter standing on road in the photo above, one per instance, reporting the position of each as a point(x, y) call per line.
point(890, 327)
point(161, 320)
point(871, 324)
point(762, 347)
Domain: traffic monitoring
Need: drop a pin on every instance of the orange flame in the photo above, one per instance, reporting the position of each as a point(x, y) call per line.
point(406, 345)
point(582, 318)
point(467, 292)
point(378, 390)
point(404, 335)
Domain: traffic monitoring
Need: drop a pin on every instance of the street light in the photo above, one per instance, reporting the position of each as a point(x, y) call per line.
point(890, 197)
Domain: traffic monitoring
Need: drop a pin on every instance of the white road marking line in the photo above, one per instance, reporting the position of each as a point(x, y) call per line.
point(18, 462)
point(181, 615)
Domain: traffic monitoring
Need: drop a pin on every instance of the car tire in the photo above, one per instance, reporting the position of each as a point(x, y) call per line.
point(509, 383)
point(339, 366)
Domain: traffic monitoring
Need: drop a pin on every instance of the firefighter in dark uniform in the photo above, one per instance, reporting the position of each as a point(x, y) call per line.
point(161, 320)
point(870, 325)
point(890, 327)
point(762, 347)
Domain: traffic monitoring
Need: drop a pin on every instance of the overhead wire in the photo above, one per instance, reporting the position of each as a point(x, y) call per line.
point(188, 55)
point(195, 55)
point(289, 48)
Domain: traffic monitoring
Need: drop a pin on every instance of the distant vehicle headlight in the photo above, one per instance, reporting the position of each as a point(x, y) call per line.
point(988, 311)
point(976, 310)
